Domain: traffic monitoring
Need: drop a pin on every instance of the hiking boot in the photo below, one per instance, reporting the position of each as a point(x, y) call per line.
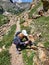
point(18, 52)
point(19, 49)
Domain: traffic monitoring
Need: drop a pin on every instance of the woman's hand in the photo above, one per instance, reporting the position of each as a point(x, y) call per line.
point(27, 42)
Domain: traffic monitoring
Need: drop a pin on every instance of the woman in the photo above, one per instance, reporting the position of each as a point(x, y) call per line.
point(18, 40)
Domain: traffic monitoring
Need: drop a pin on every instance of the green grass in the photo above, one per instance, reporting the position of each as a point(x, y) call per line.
point(22, 21)
point(5, 58)
point(7, 39)
point(46, 44)
point(42, 25)
point(27, 28)
point(3, 20)
point(27, 60)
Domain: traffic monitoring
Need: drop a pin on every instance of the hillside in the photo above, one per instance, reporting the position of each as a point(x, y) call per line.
point(35, 21)
point(14, 7)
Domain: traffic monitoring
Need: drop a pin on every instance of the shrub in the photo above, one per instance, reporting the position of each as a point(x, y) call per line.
point(5, 58)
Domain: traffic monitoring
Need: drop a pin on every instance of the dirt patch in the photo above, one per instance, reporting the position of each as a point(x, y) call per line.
point(41, 57)
point(16, 59)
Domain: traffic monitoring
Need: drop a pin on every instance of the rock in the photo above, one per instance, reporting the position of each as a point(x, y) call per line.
point(46, 62)
point(32, 5)
point(41, 52)
point(38, 34)
point(36, 61)
point(41, 12)
point(40, 44)
point(35, 16)
point(34, 47)
point(45, 4)
point(48, 11)
point(31, 38)
point(25, 23)
point(6, 13)
point(42, 55)
point(0, 50)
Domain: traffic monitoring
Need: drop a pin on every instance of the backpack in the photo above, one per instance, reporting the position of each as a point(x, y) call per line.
point(17, 33)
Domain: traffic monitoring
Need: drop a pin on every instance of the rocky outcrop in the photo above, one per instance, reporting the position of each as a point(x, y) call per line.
point(41, 57)
point(45, 4)
point(36, 16)
point(1, 10)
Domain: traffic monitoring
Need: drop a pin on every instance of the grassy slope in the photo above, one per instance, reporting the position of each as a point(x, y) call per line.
point(42, 25)
point(3, 20)
point(7, 39)
point(27, 60)
point(5, 58)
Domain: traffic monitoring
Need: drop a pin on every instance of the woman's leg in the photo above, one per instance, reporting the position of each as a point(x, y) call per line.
point(18, 47)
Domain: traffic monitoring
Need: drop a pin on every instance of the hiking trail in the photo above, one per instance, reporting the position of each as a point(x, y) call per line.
point(16, 59)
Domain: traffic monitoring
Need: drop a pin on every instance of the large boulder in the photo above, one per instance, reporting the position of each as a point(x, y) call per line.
point(45, 5)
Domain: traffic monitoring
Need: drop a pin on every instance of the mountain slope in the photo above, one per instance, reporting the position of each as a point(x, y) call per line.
point(8, 6)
